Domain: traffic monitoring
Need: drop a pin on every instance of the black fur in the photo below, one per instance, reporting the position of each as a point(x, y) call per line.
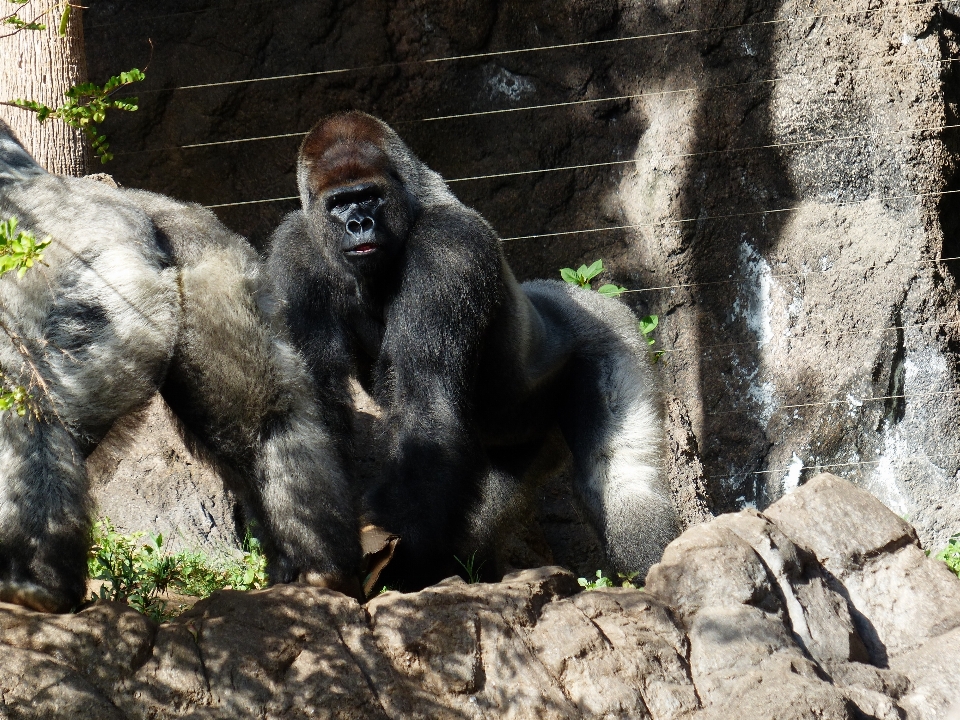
point(384, 276)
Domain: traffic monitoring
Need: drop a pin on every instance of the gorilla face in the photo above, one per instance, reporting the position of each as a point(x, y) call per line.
point(358, 208)
point(366, 222)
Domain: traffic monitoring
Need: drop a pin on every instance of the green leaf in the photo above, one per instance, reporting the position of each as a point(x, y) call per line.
point(648, 324)
point(611, 290)
point(595, 269)
point(570, 275)
point(64, 19)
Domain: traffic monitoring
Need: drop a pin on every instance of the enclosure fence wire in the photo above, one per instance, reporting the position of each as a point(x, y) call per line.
point(833, 466)
point(634, 160)
point(571, 103)
point(557, 46)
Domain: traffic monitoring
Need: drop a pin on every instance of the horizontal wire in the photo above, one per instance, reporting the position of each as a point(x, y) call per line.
point(850, 400)
point(253, 202)
point(571, 103)
point(787, 468)
point(747, 148)
point(814, 336)
point(518, 173)
point(543, 48)
point(720, 217)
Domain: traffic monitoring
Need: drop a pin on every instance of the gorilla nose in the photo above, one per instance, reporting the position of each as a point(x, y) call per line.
point(359, 227)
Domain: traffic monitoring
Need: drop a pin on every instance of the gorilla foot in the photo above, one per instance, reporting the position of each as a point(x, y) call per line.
point(35, 597)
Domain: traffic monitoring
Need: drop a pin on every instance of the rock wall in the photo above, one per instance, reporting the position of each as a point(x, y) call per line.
point(775, 180)
point(784, 615)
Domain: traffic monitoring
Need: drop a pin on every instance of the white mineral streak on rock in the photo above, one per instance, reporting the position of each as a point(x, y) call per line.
point(791, 481)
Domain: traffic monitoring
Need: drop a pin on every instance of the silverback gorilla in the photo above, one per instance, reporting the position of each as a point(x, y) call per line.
point(141, 293)
point(384, 276)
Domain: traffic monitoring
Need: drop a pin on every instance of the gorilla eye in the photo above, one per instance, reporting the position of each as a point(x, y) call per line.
point(365, 197)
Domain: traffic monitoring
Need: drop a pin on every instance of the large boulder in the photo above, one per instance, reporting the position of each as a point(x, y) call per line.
point(786, 615)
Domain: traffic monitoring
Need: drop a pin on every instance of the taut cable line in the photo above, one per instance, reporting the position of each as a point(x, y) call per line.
point(571, 103)
point(545, 48)
point(614, 163)
point(788, 468)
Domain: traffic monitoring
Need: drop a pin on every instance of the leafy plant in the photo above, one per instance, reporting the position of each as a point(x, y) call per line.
point(647, 325)
point(14, 397)
point(86, 106)
point(19, 250)
point(626, 580)
point(600, 582)
point(471, 568)
point(584, 275)
point(138, 570)
point(951, 554)
point(19, 23)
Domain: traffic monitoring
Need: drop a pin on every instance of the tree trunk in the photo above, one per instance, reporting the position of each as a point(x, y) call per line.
point(42, 66)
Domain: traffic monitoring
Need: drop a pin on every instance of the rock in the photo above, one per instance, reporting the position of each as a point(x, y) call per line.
point(145, 479)
point(740, 620)
point(897, 594)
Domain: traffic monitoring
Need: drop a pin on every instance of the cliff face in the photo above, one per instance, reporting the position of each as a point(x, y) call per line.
point(767, 176)
point(786, 614)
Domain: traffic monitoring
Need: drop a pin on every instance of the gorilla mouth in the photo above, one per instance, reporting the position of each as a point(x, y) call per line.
point(364, 249)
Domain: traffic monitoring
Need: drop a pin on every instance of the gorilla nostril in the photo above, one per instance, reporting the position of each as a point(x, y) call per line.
point(367, 223)
point(354, 227)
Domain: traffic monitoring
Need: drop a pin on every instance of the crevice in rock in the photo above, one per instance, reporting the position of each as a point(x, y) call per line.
point(195, 635)
point(363, 670)
point(861, 623)
point(895, 407)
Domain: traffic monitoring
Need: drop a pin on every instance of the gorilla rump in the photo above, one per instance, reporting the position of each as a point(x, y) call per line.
point(384, 276)
point(140, 293)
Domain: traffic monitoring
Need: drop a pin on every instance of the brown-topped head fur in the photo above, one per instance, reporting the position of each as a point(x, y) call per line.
point(345, 150)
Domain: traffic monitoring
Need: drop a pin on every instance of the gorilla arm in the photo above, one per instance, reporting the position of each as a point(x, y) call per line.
point(426, 379)
point(242, 390)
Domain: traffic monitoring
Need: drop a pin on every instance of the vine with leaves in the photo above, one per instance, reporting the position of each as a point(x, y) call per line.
point(86, 104)
point(19, 251)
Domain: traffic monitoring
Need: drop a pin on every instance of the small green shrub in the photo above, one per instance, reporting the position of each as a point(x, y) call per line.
point(951, 554)
point(600, 582)
point(583, 275)
point(86, 106)
point(647, 325)
point(626, 580)
point(19, 251)
point(138, 570)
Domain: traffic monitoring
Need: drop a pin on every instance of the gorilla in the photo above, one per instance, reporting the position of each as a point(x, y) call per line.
point(140, 293)
point(384, 277)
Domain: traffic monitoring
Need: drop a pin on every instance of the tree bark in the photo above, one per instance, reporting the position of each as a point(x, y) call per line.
point(40, 65)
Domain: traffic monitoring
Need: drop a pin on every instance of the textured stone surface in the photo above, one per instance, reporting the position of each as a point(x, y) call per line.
point(740, 620)
point(144, 478)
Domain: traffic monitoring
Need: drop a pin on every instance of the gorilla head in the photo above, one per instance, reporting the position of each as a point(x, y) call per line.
point(354, 193)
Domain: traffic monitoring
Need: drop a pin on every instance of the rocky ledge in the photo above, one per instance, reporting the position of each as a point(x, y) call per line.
point(824, 606)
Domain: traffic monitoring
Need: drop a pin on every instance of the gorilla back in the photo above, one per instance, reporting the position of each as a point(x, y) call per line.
point(141, 293)
point(385, 276)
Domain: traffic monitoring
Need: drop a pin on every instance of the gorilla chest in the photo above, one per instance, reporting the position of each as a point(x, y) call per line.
point(366, 330)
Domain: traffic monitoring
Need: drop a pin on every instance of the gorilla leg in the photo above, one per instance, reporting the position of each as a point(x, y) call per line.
point(611, 422)
point(44, 515)
point(90, 335)
point(244, 394)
